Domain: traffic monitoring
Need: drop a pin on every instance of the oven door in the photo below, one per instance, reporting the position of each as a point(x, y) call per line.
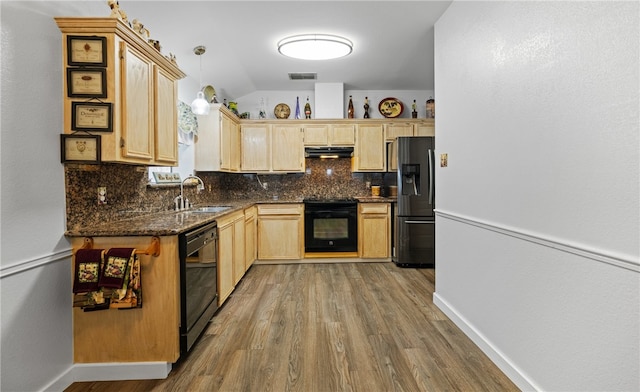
point(330, 230)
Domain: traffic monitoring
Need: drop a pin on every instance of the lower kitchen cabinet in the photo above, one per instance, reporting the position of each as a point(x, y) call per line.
point(231, 253)
point(147, 334)
point(374, 230)
point(280, 231)
point(250, 235)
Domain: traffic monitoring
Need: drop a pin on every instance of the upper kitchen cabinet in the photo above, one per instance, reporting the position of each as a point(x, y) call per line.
point(329, 134)
point(425, 128)
point(118, 86)
point(287, 148)
point(393, 130)
point(369, 154)
point(255, 143)
point(217, 147)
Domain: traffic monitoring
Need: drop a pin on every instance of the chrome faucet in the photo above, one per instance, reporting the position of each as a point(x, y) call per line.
point(180, 202)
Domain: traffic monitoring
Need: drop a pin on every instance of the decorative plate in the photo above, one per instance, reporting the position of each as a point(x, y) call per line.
point(209, 93)
point(282, 110)
point(390, 107)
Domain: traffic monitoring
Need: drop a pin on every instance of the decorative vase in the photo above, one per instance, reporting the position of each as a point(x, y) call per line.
point(431, 108)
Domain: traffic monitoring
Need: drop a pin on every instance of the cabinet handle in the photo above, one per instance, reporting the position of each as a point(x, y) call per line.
point(121, 142)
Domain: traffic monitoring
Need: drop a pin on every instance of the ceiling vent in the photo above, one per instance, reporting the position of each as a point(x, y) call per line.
point(303, 76)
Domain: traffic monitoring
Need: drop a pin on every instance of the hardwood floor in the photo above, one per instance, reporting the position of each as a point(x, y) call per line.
point(329, 327)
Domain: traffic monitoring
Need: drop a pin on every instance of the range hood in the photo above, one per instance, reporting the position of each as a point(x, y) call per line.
point(328, 152)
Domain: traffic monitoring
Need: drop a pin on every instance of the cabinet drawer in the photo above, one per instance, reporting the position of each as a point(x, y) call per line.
point(280, 209)
point(374, 208)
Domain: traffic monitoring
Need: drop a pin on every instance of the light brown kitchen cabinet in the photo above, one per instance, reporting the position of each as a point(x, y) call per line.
point(426, 128)
point(374, 230)
point(287, 149)
point(393, 130)
point(343, 135)
point(148, 334)
point(141, 86)
point(316, 134)
point(280, 231)
point(229, 142)
point(250, 235)
point(231, 253)
point(329, 134)
point(255, 144)
point(369, 154)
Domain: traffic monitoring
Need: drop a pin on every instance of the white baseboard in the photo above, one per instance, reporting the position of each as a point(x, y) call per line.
point(501, 361)
point(113, 371)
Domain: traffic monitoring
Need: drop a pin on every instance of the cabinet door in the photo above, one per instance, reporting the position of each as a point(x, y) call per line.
point(225, 261)
point(279, 237)
point(230, 144)
point(238, 250)
point(316, 135)
point(287, 149)
point(392, 156)
point(250, 234)
point(255, 144)
point(370, 148)
point(137, 101)
point(166, 121)
point(427, 129)
point(392, 131)
point(374, 230)
point(343, 135)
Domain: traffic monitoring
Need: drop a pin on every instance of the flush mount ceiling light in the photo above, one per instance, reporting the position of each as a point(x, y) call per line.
point(200, 105)
point(315, 46)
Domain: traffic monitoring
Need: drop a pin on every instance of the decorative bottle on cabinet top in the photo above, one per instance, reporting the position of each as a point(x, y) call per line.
point(350, 111)
point(307, 109)
point(366, 107)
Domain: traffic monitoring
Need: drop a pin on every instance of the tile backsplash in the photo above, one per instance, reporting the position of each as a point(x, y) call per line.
point(129, 193)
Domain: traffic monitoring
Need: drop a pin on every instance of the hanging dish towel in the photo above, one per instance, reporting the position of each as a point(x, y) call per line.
point(130, 295)
point(115, 267)
point(87, 270)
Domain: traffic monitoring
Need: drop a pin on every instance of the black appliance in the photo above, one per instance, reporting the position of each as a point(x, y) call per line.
point(198, 282)
point(328, 152)
point(330, 225)
point(415, 220)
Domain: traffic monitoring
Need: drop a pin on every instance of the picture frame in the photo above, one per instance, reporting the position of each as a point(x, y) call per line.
point(91, 116)
point(85, 50)
point(80, 148)
point(87, 82)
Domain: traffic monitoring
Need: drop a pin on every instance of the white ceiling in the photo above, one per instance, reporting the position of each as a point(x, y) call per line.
point(393, 41)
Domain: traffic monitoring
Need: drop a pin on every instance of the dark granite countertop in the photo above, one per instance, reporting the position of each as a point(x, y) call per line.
point(377, 199)
point(167, 223)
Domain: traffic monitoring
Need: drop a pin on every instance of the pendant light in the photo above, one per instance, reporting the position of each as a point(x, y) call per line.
point(200, 105)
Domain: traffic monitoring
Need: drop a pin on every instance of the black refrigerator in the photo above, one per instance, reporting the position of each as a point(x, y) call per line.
point(415, 221)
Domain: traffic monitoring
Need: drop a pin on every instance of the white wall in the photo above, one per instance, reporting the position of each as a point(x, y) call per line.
point(34, 255)
point(251, 102)
point(537, 224)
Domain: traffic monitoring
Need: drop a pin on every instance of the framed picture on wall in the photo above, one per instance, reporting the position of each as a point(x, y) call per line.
point(80, 148)
point(86, 50)
point(87, 82)
point(91, 116)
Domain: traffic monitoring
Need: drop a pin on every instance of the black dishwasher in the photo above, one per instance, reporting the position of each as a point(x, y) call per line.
point(198, 282)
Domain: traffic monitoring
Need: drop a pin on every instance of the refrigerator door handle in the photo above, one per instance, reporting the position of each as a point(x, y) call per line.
point(431, 170)
point(419, 222)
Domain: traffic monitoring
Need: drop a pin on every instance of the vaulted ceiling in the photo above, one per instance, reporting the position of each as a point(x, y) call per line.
point(393, 41)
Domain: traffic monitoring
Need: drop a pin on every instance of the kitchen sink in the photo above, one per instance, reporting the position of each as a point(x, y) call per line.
point(210, 209)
